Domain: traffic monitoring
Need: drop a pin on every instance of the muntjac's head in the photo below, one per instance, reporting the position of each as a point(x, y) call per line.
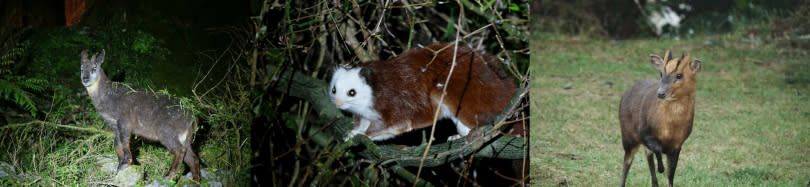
point(678, 76)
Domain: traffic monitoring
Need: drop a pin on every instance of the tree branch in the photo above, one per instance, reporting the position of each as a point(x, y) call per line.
point(93, 130)
point(491, 145)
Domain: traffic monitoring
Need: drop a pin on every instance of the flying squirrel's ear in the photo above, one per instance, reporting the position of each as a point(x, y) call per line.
point(366, 74)
point(333, 69)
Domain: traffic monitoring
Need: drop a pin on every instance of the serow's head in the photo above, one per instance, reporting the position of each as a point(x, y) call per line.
point(349, 88)
point(91, 68)
point(678, 75)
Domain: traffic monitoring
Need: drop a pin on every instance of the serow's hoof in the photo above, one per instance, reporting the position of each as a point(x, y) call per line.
point(122, 167)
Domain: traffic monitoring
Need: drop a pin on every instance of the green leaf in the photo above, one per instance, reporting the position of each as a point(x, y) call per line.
point(514, 7)
point(451, 26)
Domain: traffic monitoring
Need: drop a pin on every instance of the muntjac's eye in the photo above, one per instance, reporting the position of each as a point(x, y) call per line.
point(679, 76)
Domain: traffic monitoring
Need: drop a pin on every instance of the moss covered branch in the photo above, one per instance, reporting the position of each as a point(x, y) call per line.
point(40, 122)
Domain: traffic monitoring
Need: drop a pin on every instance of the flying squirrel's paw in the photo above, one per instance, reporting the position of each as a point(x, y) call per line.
point(352, 134)
point(453, 137)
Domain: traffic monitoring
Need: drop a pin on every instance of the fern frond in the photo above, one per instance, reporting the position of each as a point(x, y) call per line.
point(34, 84)
point(12, 56)
point(11, 91)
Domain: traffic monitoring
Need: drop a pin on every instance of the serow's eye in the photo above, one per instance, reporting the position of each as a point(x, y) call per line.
point(351, 93)
point(333, 90)
point(679, 76)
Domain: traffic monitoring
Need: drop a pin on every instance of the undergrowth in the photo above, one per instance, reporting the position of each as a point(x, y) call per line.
point(62, 139)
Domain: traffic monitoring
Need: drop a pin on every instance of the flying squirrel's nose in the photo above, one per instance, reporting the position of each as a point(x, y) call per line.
point(338, 103)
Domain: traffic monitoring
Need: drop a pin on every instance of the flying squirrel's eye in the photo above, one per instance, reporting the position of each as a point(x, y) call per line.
point(679, 76)
point(333, 90)
point(351, 93)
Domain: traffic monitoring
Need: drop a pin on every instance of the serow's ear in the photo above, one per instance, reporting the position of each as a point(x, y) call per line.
point(84, 55)
point(695, 65)
point(100, 57)
point(657, 61)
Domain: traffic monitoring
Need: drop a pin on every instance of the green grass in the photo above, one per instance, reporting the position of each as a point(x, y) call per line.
point(751, 127)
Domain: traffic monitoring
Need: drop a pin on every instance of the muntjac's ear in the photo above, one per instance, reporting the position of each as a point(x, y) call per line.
point(658, 62)
point(100, 57)
point(695, 65)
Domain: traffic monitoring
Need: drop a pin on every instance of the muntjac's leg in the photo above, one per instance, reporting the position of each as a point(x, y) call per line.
point(628, 161)
point(655, 146)
point(651, 163)
point(673, 163)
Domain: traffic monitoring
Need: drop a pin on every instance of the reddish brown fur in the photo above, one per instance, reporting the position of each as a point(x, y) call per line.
point(478, 90)
point(661, 124)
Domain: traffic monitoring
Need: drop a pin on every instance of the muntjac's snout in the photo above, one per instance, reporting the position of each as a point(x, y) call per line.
point(662, 92)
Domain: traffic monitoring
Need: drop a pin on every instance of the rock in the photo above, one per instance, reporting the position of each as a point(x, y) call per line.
point(7, 170)
point(156, 183)
point(210, 177)
point(187, 182)
point(108, 163)
point(709, 42)
point(568, 86)
point(204, 174)
point(128, 176)
point(215, 184)
point(752, 41)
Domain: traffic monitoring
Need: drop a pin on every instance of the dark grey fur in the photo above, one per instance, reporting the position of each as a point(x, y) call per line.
point(131, 110)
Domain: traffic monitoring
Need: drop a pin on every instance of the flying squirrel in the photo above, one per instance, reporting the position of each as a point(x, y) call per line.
point(402, 94)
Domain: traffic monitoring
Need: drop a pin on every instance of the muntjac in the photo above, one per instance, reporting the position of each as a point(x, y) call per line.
point(659, 113)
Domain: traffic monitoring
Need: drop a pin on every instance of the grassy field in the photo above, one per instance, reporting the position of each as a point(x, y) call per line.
point(752, 127)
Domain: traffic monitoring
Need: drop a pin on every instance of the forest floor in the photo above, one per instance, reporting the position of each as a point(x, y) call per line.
point(68, 144)
point(752, 111)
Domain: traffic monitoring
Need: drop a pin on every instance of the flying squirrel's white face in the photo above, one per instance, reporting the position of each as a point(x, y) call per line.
point(349, 91)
